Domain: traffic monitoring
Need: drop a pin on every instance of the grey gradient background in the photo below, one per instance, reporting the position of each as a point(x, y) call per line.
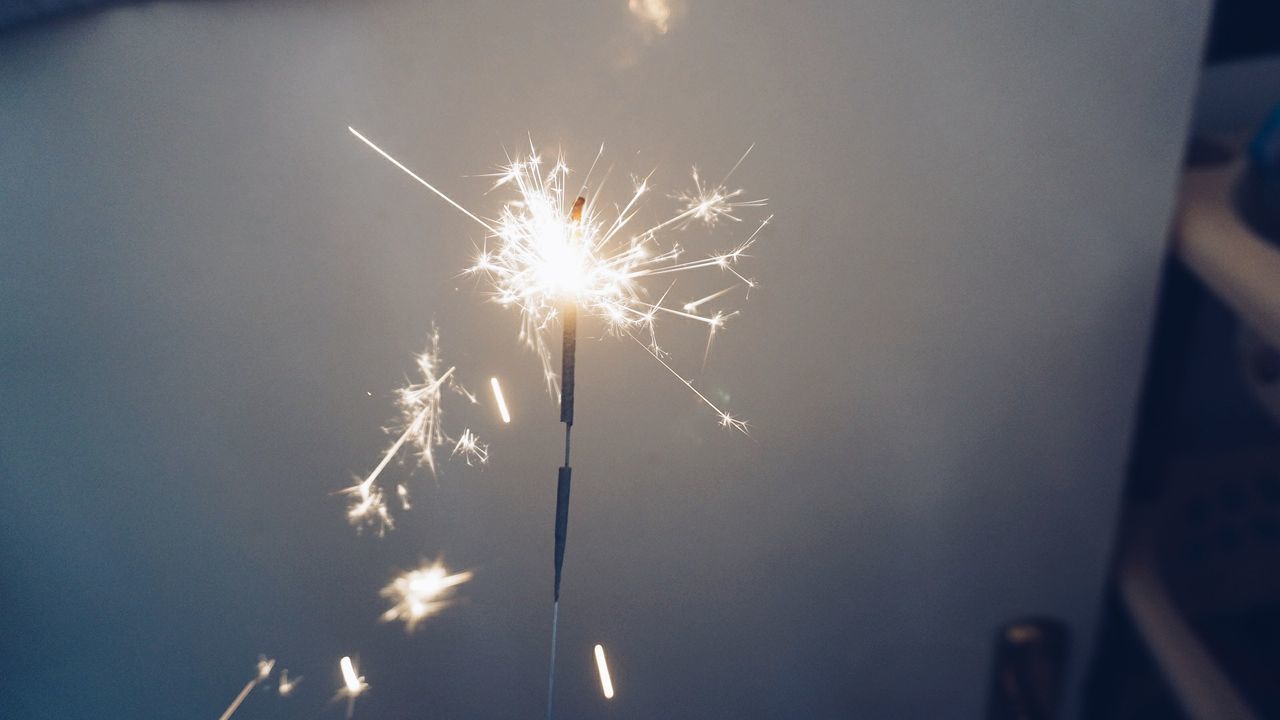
point(202, 275)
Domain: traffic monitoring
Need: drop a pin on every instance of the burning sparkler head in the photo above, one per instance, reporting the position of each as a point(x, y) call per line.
point(549, 249)
point(547, 255)
point(418, 594)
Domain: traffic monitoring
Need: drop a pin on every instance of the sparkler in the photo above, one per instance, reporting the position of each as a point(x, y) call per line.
point(353, 684)
point(419, 594)
point(551, 261)
point(546, 263)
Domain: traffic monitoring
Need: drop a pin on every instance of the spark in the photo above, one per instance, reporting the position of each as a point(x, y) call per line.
point(286, 685)
point(547, 249)
point(264, 671)
point(353, 684)
point(471, 449)
point(422, 429)
point(606, 682)
point(498, 398)
point(418, 594)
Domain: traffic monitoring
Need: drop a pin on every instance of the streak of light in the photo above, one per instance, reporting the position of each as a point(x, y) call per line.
point(498, 398)
point(353, 684)
point(263, 672)
point(606, 682)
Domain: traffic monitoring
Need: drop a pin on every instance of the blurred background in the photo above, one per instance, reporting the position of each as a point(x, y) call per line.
point(1013, 448)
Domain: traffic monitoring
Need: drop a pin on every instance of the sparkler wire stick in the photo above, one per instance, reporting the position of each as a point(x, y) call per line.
point(568, 363)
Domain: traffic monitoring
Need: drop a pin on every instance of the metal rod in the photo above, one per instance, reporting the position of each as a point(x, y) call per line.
point(551, 678)
point(568, 361)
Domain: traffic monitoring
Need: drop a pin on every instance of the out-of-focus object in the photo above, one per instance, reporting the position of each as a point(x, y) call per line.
point(1261, 370)
point(1221, 248)
point(1228, 234)
point(1259, 192)
point(1026, 680)
point(1193, 618)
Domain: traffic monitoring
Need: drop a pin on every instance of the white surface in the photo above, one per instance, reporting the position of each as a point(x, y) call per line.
point(201, 275)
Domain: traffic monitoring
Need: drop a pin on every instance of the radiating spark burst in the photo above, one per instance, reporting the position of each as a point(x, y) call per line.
point(286, 685)
point(500, 400)
point(353, 684)
point(710, 203)
point(419, 594)
point(265, 664)
point(539, 258)
point(606, 682)
point(421, 428)
point(471, 449)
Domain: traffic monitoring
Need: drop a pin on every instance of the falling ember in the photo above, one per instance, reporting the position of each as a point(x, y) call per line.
point(422, 429)
point(419, 594)
point(353, 685)
point(606, 683)
point(498, 398)
point(548, 249)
